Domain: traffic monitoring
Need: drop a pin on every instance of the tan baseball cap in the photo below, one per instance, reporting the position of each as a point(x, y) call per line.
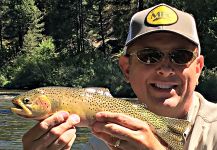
point(160, 18)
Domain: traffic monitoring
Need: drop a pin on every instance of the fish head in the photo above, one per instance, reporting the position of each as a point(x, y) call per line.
point(33, 104)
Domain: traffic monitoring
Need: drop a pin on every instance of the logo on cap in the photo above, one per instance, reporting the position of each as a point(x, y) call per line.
point(161, 15)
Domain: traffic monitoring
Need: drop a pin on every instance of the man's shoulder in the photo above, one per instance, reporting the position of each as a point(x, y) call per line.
point(207, 110)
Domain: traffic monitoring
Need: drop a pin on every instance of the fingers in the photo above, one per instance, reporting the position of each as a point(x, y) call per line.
point(121, 119)
point(43, 127)
point(113, 130)
point(133, 133)
point(111, 141)
point(69, 145)
point(65, 141)
point(111, 133)
point(56, 131)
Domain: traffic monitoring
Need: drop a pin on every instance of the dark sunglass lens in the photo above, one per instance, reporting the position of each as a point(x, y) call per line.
point(182, 56)
point(149, 56)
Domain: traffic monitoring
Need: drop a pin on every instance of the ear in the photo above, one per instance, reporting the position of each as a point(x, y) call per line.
point(124, 65)
point(199, 65)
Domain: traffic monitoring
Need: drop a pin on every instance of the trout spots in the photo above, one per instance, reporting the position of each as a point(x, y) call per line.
point(74, 100)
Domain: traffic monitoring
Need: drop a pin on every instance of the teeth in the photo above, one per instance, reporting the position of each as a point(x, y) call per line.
point(163, 86)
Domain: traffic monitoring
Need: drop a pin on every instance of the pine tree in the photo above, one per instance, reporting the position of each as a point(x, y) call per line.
point(34, 16)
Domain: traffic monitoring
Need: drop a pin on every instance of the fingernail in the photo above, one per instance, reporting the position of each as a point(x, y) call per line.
point(64, 114)
point(75, 118)
point(99, 114)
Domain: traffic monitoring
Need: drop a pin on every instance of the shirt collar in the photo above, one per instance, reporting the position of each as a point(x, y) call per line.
point(192, 114)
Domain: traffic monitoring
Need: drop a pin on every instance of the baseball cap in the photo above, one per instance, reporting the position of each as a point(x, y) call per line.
point(160, 18)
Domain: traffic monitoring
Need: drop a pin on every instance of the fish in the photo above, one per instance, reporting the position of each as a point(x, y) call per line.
point(42, 102)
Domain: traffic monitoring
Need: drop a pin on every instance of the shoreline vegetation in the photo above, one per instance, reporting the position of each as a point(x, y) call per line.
point(77, 43)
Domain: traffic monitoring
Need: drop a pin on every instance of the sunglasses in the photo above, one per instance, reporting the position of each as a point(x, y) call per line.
point(153, 56)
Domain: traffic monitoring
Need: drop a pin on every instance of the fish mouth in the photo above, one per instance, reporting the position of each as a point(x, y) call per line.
point(20, 108)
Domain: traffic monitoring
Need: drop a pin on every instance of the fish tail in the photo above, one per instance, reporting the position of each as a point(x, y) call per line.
point(174, 141)
point(177, 125)
point(173, 134)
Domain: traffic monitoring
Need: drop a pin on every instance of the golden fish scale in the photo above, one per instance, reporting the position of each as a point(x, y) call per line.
point(93, 103)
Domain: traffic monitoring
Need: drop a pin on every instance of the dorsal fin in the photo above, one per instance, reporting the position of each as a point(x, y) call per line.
point(98, 90)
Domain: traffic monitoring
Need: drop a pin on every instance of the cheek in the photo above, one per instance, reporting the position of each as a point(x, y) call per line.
point(189, 79)
point(42, 106)
point(138, 76)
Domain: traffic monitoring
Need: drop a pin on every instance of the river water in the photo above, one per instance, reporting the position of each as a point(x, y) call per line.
point(13, 127)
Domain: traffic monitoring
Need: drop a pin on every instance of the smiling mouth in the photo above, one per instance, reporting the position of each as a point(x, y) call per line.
point(163, 86)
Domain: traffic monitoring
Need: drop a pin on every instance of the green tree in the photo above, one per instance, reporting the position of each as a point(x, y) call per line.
point(33, 35)
point(72, 43)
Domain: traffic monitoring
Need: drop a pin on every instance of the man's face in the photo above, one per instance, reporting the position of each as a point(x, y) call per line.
point(166, 88)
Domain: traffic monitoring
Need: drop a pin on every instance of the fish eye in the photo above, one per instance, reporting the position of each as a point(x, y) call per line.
point(26, 100)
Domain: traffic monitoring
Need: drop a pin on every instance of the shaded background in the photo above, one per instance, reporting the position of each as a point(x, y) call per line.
point(75, 42)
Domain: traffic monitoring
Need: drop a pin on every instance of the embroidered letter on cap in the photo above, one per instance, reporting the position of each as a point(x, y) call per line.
point(161, 15)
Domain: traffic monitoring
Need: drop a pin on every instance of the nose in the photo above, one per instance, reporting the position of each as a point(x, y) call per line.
point(165, 68)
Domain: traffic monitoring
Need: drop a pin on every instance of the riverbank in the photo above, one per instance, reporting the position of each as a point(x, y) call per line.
point(13, 92)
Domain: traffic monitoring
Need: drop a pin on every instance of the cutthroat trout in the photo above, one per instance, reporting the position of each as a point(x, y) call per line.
point(40, 103)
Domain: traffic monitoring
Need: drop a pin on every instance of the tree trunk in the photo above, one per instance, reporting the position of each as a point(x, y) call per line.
point(78, 27)
point(101, 25)
point(20, 38)
point(140, 5)
point(1, 43)
point(81, 25)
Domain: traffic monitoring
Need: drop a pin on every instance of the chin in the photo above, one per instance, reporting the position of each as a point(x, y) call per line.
point(171, 102)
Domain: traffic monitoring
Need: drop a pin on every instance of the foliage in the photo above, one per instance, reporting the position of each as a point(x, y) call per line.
point(208, 84)
point(71, 43)
point(30, 69)
point(3, 81)
point(94, 70)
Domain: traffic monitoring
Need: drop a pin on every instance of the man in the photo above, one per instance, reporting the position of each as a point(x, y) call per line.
point(162, 62)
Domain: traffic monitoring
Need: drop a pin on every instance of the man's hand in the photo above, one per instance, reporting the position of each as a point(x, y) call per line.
point(132, 133)
point(56, 132)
